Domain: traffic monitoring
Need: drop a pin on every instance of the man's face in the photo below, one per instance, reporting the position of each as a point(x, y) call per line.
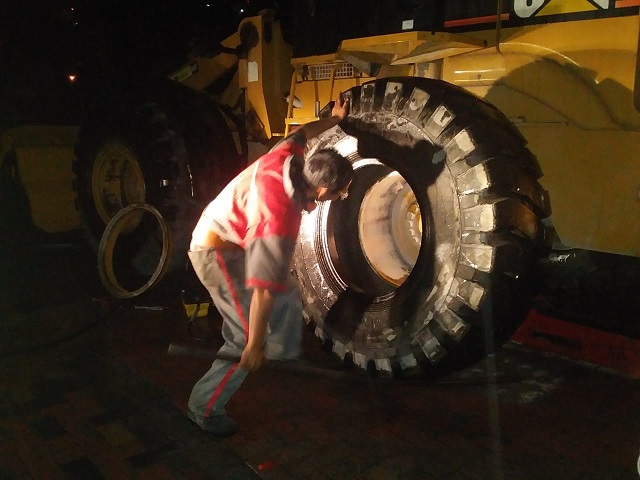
point(323, 194)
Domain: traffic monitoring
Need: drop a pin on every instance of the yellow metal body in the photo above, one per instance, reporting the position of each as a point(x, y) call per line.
point(569, 87)
point(44, 157)
point(263, 76)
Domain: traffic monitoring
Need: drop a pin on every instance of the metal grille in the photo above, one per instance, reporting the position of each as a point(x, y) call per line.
point(323, 72)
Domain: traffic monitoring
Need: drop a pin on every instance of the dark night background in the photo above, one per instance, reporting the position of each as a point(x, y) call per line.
point(108, 44)
point(115, 45)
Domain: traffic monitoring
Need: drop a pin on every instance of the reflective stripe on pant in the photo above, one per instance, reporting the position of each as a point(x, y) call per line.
point(222, 272)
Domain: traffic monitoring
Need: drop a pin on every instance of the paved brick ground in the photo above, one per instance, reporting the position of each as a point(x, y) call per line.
point(88, 391)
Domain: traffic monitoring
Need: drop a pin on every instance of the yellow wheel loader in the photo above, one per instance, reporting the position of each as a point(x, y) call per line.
point(468, 121)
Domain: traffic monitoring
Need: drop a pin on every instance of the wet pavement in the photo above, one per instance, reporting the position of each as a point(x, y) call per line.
point(89, 391)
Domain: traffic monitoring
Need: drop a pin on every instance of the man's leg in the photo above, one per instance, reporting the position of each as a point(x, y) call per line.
point(285, 327)
point(222, 273)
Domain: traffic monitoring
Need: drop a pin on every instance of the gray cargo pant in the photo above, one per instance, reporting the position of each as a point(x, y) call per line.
point(222, 272)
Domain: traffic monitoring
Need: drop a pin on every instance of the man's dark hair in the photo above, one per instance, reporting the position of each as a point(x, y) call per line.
point(327, 168)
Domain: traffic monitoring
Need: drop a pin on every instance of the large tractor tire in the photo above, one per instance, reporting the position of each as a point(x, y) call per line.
point(165, 146)
point(427, 266)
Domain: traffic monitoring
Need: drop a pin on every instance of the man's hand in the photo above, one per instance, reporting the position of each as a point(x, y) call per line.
point(340, 108)
point(339, 111)
point(252, 358)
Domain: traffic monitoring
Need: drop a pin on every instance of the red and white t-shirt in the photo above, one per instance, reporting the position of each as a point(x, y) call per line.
point(257, 211)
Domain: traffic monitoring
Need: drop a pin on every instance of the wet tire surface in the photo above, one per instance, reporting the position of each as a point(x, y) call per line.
point(480, 207)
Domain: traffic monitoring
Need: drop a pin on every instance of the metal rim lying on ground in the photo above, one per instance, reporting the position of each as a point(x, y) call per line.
point(116, 226)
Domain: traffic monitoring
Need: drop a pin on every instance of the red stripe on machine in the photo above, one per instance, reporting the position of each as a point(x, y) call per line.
point(627, 3)
point(475, 20)
point(609, 350)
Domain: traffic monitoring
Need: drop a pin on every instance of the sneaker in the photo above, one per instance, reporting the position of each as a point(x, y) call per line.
point(218, 425)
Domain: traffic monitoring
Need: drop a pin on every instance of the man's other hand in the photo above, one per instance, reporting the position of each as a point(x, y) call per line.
point(252, 358)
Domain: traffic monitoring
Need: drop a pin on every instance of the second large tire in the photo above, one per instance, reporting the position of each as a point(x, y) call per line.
point(428, 265)
point(164, 145)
